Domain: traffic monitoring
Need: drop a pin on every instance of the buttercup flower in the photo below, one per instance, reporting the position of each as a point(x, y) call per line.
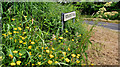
point(49, 62)
point(42, 47)
point(20, 41)
point(68, 49)
point(56, 62)
point(10, 55)
point(32, 42)
point(27, 27)
point(30, 53)
point(13, 19)
point(12, 64)
point(18, 62)
point(61, 37)
point(72, 39)
point(24, 43)
point(14, 32)
point(15, 28)
point(73, 55)
point(67, 60)
point(39, 55)
point(51, 56)
point(9, 33)
point(19, 28)
point(78, 54)
point(39, 63)
point(15, 51)
point(29, 47)
point(47, 51)
point(20, 54)
point(64, 53)
point(78, 61)
point(53, 48)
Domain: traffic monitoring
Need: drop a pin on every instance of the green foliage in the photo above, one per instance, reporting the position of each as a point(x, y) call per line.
point(31, 34)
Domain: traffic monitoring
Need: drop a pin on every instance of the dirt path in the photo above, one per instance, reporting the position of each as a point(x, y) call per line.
point(104, 50)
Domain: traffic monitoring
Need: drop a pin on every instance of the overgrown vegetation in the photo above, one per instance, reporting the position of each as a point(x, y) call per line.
point(31, 35)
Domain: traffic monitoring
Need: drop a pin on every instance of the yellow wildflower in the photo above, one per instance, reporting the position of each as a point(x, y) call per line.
point(9, 33)
point(46, 47)
point(13, 19)
point(54, 38)
point(18, 62)
point(24, 43)
point(53, 48)
point(29, 40)
point(47, 51)
point(78, 54)
point(24, 32)
point(25, 16)
point(33, 64)
point(29, 47)
point(23, 38)
point(42, 47)
point(15, 51)
point(12, 64)
point(61, 37)
point(10, 55)
point(83, 64)
point(27, 27)
point(19, 28)
point(92, 64)
point(14, 32)
point(32, 42)
point(72, 39)
point(51, 52)
point(39, 63)
point(0, 57)
point(68, 49)
point(11, 38)
point(20, 54)
point(78, 61)
point(56, 62)
point(64, 53)
point(67, 60)
point(17, 32)
point(15, 28)
point(66, 31)
point(39, 55)
point(20, 41)
point(49, 62)
point(30, 53)
point(51, 56)
point(73, 55)
point(15, 40)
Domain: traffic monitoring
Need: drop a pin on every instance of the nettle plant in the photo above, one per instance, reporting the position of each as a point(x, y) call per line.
point(102, 13)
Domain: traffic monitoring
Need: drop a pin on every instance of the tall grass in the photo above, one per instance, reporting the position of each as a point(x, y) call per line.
point(31, 35)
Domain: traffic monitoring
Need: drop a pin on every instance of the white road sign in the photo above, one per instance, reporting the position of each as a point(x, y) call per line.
point(70, 15)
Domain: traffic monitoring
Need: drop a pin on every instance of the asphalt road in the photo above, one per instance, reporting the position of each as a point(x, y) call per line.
point(112, 26)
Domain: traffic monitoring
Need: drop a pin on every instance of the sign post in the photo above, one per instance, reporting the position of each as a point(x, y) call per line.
point(67, 16)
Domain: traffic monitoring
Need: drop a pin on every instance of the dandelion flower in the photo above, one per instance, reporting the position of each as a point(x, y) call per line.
point(30, 53)
point(27, 27)
point(78, 54)
point(33, 64)
point(14, 32)
point(42, 47)
point(13, 19)
point(72, 39)
point(23, 38)
point(24, 43)
point(64, 53)
point(19, 28)
point(18, 62)
point(10, 55)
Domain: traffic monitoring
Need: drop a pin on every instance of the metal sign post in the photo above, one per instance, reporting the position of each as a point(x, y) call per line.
point(67, 16)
